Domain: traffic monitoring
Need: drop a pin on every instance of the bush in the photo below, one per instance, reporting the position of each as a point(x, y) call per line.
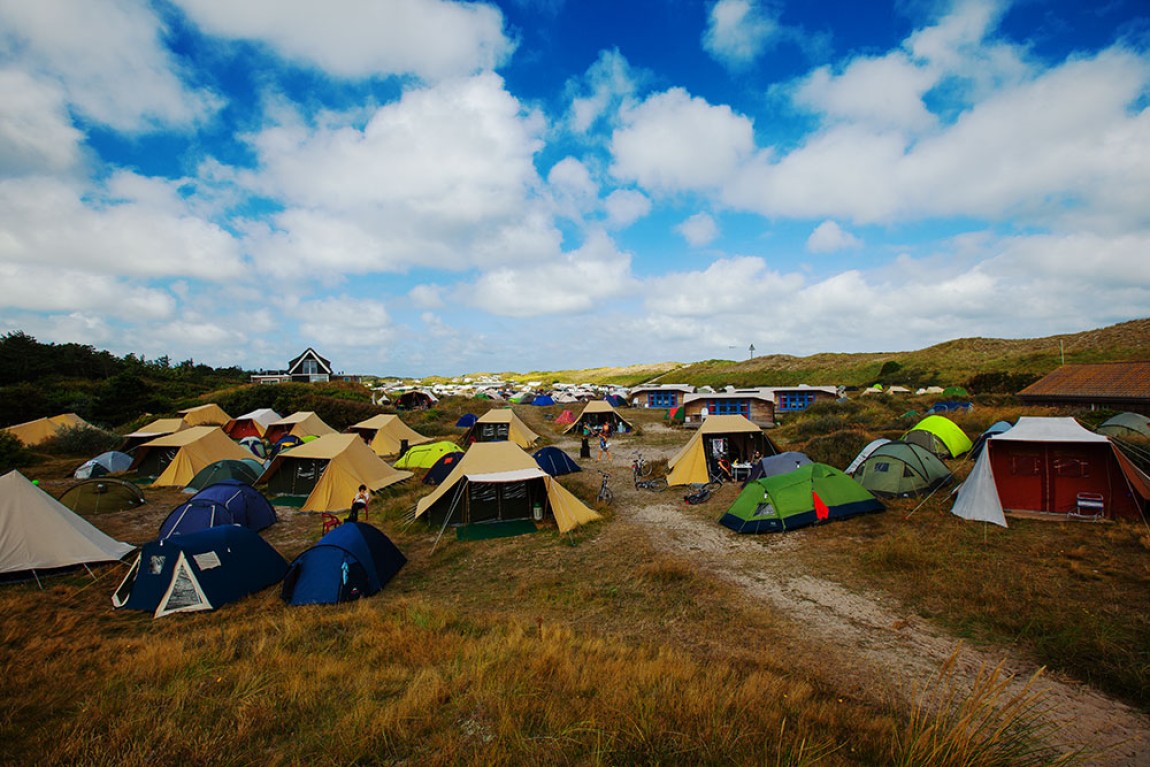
point(13, 454)
point(837, 449)
point(81, 440)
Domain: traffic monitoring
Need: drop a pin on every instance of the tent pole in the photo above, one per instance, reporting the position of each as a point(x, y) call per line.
point(38, 584)
point(447, 517)
point(89, 571)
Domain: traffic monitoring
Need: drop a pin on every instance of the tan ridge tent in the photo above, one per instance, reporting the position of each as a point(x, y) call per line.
point(177, 458)
point(497, 481)
point(156, 429)
point(37, 532)
point(329, 470)
point(385, 433)
point(597, 413)
point(32, 433)
point(731, 436)
point(252, 424)
point(500, 425)
point(205, 415)
point(301, 424)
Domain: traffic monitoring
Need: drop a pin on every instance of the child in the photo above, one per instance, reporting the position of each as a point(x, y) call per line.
point(604, 445)
point(359, 503)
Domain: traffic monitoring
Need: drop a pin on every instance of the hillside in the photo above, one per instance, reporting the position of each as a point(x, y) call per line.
point(951, 362)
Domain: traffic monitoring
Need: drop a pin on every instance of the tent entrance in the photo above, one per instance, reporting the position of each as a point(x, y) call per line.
point(297, 476)
point(157, 459)
point(502, 501)
point(492, 432)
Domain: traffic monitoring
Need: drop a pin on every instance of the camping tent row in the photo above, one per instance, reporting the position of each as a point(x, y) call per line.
point(329, 471)
point(1052, 466)
point(388, 435)
point(499, 482)
point(175, 459)
point(732, 437)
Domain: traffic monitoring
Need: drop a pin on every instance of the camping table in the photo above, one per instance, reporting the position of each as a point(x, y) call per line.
point(741, 471)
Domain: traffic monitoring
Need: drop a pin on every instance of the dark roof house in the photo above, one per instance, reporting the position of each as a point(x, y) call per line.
point(308, 367)
point(1109, 385)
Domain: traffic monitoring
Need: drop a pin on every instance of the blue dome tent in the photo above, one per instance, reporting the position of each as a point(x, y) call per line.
point(231, 502)
point(555, 462)
point(354, 560)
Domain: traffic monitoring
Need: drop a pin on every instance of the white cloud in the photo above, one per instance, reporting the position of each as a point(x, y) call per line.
point(738, 31)
point(885, 92)
point(574, 283)
point(431, 39)
point(134, 226)
point(729, 287)
point(445, 177)
point(699, 229)
point(574, 191)
point(36, 134)
point(109, 58)
point(829, 237)
point(427, 296)
point(40, 288)
point(608, 84)
point(626, 206)
point(674, 142)
point(346, 322)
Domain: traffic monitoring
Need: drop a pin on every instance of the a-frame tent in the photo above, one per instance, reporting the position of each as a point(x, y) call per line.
point(731, 435)
point(39, 533)
point(595, 414)
point(498, 481)
point(176, 459)
point(252, 424)
point(161, 427)
point(329, 470)
point(500, 425)
point(32, 433)
point(302, 424)
point(1052, 466)
point(386, 433)
point(205, 415)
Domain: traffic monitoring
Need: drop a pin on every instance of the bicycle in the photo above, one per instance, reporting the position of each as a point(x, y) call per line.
point(655, 484)
point(605, 494)
point(700, 494)
point(640, 466)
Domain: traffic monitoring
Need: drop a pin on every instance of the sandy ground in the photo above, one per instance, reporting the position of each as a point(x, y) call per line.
point(874, 639)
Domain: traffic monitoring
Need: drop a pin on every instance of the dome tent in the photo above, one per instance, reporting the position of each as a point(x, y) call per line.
point(110, 462)
point(230, 502)
point(354, 560)
point(809, 495)
point(555, 462)
point(102, 495)
point(939, 435)
point(247, 470)
point(901, 470)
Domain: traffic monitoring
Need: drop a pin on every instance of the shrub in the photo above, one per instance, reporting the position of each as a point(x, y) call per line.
point(13, 454)
point(839, 448)
point(81, 440)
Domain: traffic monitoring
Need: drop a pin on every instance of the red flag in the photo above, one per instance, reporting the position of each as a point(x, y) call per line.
point(821, 509)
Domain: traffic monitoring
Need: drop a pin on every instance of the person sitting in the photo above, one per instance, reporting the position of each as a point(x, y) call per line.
point(359, 504)
point(724, 472)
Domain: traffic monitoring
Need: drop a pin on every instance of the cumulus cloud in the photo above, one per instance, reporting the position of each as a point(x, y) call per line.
point(108, 57)
point(572, 187)
point(674, 141)
point(699, 229)
point(574, 283)
point(53, 289)
point(885, 92)
point(608, 84)
point(345, 322)
point(829, 237)
point(36, 133)
point(426, 296)
point(738, 31)
point(626, 206)
point(431, 39)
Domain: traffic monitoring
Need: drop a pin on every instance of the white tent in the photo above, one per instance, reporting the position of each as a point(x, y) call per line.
point(37, 532)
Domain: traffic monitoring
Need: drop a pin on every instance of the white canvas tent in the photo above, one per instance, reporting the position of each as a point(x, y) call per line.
point(38, 533)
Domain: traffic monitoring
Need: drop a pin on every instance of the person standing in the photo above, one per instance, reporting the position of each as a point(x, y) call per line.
point(359, 504)
point(604, 445)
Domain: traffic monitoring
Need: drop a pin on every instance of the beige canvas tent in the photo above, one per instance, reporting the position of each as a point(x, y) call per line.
point(730, 436)
point(500, 425)
point(497, 481)
point(176, 458)
point(329, 470)
point(385, 434)
point(597, 413)
point(37, 532)
point(205, 415)
point(301, 424)
point(41, 430)
point(156, 429)
point(252, 424)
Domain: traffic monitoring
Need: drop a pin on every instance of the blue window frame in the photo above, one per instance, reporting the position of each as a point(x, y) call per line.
point(790, 401)
point(663, 399)
point(729, 407)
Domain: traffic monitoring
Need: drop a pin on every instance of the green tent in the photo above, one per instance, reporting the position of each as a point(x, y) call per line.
point(102, 495)
point(246, 470)
point(676, 414)
point(955, 392)
point(425, 456)
point(809, 495)
point(1126, 425)
point(939, 435)
point(901, 470)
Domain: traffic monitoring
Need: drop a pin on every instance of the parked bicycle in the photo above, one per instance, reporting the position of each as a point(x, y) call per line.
point(640, 466)
point(699, 494)
point(605, 494)
point(654, 484)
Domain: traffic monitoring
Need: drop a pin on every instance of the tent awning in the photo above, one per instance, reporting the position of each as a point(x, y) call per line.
point(499, 477)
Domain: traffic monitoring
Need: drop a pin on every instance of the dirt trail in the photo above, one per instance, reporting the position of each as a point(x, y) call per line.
point(881, 639)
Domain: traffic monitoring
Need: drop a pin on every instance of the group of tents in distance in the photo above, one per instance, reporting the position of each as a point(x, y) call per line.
point(209, 550)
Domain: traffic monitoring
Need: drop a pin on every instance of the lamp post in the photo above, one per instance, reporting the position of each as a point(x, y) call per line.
point(752, 351)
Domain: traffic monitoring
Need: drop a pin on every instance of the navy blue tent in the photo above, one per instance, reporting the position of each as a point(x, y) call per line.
point(467, 420)
point(441, 468)
point(555, 462)
point(998, 427)
point(231, 502)
point(950, 407)
point(774, 465)
point(285, 442)
point(615, 400)
point(199, 571)
point(354, 560)
point(543, 400)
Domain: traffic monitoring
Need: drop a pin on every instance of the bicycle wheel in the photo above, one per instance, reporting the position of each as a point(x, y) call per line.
point(605, 495)
point(644, 467)
point(656, 485)
point(711, 487)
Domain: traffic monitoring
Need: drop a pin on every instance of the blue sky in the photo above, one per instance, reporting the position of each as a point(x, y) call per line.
point(419, 187)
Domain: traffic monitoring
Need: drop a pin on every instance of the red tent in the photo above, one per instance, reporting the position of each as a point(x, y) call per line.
point(565, 418)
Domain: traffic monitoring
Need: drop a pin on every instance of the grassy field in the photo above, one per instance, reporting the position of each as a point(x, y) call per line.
point(599, 647)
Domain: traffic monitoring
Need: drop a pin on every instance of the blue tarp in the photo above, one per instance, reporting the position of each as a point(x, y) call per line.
point(354, 560)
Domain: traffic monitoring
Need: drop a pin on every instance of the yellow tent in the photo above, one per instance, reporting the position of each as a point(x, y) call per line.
point(496, 481)
point(733, 436)
point(154, 430)
point(330, 470)
point(179, 457)
point(499, 425)
point(32, 433)
point(301, 424)
point(598, 412)
point(384, 433)
point(205, 415)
